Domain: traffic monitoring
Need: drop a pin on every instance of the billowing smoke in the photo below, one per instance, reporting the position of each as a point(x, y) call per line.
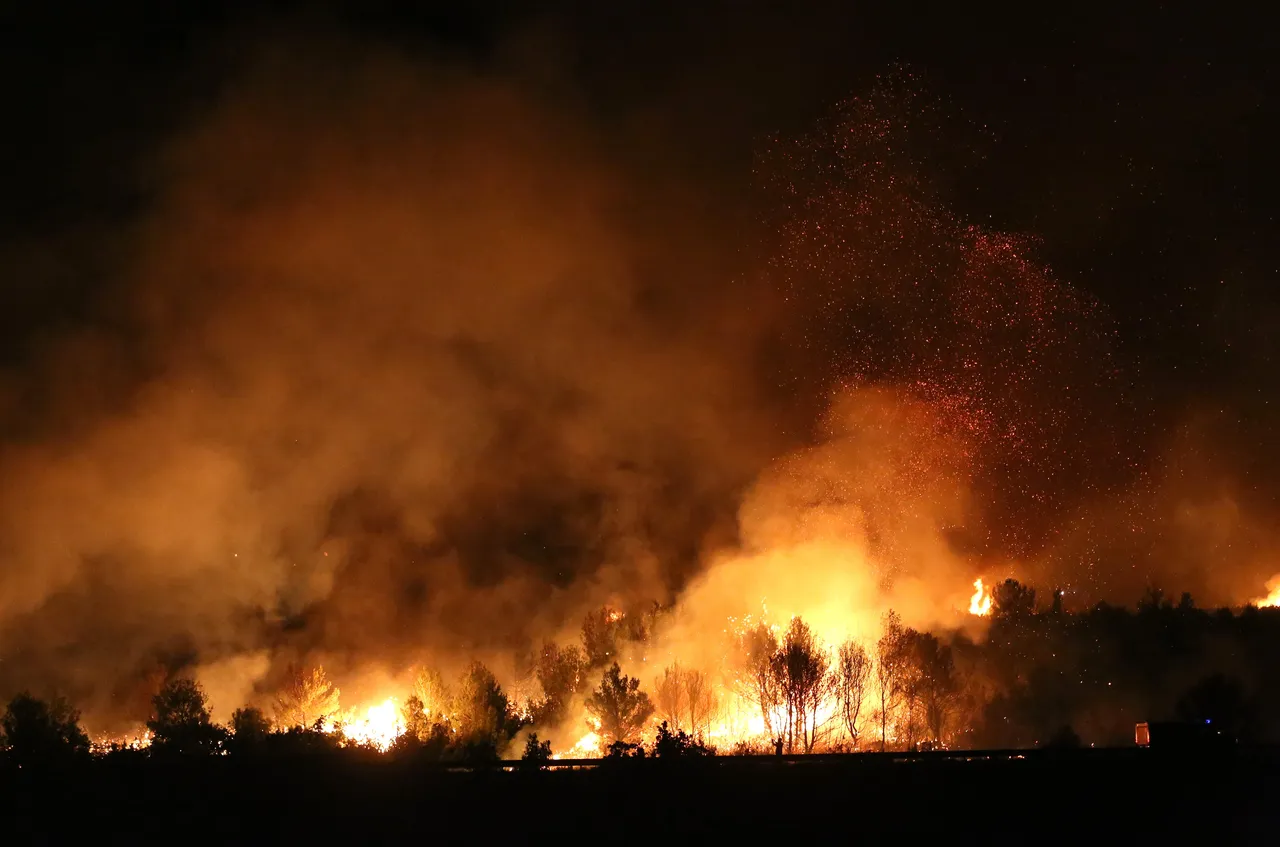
point(843, 530)
point(405, 382)
point(401, 364)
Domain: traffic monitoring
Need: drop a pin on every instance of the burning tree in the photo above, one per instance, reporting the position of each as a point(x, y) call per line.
point(936, 687)
point(800, 670)
point(560, 672)
point(757, 678)
point(307, 698)
point(619, 705)
point(909, 717)
point(669, 696)
point(483, 711)
point(889, 670)
point(416, 723)
point(1012, 600)
point(600, 632)
point(852, 681)
point(684, 699)
point(700, 700)
point(433, 693)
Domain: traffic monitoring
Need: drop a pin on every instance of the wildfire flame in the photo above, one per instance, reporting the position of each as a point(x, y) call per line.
point(980, 602)
point(1273, 598)
point(107, 743)
point(588, 747)
point(381, 725)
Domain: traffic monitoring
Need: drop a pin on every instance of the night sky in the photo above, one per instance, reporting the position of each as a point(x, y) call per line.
point(1133, 143)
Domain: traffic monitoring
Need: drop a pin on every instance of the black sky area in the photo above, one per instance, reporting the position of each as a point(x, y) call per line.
point(1136, 143)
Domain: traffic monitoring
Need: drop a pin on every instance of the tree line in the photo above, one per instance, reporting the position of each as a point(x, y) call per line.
point(1040, 675)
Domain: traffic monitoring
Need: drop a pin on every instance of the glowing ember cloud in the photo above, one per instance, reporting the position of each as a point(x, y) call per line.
point(980, 602)
point(1272, 600)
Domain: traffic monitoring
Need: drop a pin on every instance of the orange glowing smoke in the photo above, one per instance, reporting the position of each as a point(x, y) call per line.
point(980, 602)
point(1272, 599)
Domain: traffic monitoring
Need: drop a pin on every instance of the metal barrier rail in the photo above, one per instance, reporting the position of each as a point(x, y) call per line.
point(877, 758)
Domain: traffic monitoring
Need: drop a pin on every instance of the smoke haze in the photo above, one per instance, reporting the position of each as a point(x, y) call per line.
point(405, 361)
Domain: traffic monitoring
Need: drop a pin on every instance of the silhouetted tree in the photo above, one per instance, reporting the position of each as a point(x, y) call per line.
point(422, 737)
point(561, 671)
point(684, 698)
point(936, 685)
point(636, 625)
point(623, 750)
point(536, 753)
point(180, 721)
point(600, 631)
point(619, 705)
point(909, 717)
point(304, 741)
point(250, 729)
point(801, 666)
point(1013, 600)
point(307, 697)
point(852, 679)
point(669, 696)
point(416, 723)
point(483, 711)
point(700, 700)
point(35, 732)
point(678, 744)
point(890, 667)
point(433, 693)
point(1152, 599)
point(757, 676)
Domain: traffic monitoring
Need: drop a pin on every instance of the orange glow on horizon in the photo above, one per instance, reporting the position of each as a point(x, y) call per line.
point(1272, 600)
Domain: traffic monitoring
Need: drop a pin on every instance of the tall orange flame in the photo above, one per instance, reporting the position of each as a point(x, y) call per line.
point(980, 602)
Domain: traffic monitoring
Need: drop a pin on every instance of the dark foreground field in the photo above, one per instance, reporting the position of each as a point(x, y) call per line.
point(1158, 797)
